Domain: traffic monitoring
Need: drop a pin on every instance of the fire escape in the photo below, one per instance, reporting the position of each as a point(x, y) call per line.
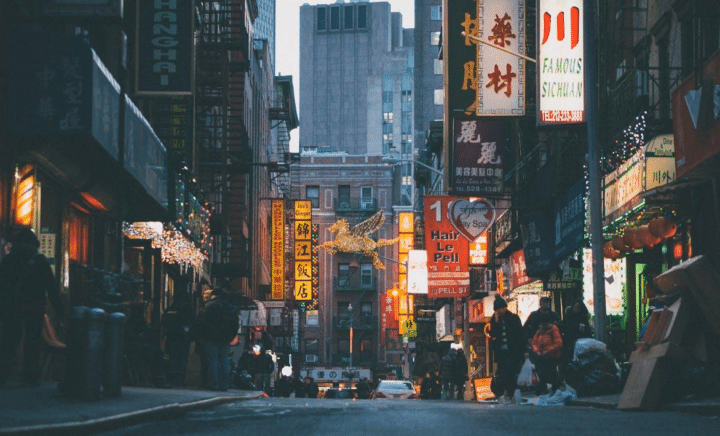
point(224, 152)
point(283, 116)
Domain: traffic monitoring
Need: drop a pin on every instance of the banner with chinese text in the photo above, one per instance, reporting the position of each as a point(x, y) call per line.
point(480, 147)
point(501, 75)
point(277, 289)
point(302, 268)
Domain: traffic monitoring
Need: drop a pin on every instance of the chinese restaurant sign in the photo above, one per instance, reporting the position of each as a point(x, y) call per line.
point(479, 149)
point(278, 250)
point(303, 246)
point(501, 75)
point(447, 250)
point(560, 63)
point(461, 56)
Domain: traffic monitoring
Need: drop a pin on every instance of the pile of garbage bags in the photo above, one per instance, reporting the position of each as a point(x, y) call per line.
point(593, 371)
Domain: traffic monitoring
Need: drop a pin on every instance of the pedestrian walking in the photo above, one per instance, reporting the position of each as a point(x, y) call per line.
point(363, 389)
point(448, 368)
point(264, 366)
point(509, 345)
point(461, 372)
point(177, 322)
point(311, 388)
point(218, 323)
point(547, 346)
point(26, 283)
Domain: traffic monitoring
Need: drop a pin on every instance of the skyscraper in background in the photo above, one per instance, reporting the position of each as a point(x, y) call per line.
point(356, 79)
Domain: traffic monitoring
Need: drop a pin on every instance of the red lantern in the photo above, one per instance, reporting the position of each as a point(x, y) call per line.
point(647, 238)
point(631, 238)
point(662, 227)
point(678, 250)
point(618, 244)
point(610, 252)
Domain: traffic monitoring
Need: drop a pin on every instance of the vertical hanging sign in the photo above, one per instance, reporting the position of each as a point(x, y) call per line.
point(303, 251)
point(278, 250)
point(560, 65)
point(315, 281)
point(501, 75)
point(447, 250)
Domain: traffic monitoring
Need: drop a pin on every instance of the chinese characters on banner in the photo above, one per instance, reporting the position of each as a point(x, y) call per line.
point(560, 65)
point(461, 56)
point(277, 289)
point(447, 251)
point(479, 149)
point(303, 251)
point(501, 75)
point(388, 316)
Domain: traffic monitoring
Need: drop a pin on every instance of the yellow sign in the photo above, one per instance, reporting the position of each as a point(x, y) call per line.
point(303, 250)
point(25, 197)
point(303, 270)
point(278, 250)
point(408, 328)
point(303, 210)
point(405, 222)
point(303, 230)
point(405, 243)
point(303, 290)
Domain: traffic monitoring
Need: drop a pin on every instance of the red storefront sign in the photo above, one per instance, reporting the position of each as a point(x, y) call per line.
point(697, 131)
point(519, 275)
point(447, 250)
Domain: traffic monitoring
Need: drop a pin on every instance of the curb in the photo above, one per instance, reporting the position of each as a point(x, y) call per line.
point(595, 404)
point(114, 422)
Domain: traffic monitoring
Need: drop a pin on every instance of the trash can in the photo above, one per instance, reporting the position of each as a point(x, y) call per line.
point(113, 354)
point(75, 341)
point(92, 378)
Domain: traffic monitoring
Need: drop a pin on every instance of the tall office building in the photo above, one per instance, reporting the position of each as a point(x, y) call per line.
point(265, 26)
point(356, 76)
point(428, 67)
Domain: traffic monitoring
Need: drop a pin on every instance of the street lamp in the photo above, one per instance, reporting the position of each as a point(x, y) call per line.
point(350, 309)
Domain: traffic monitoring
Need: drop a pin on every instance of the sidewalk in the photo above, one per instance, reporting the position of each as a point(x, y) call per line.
point(704, 406)
point(41, 410)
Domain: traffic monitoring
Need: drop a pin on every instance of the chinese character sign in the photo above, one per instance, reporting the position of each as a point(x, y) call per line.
point(501, 75)
point(560, 64)
point(460, 57)
point(278, 250)
point(303, 266)
point(480, 146)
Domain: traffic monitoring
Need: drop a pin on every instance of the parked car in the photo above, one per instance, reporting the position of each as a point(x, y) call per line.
point(394, 389)
point(340, 393)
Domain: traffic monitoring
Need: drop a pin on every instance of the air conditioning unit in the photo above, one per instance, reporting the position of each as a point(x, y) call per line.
point(311, 358)
point(367, 204)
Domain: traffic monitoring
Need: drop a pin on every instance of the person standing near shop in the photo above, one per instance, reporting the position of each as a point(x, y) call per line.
point(218, 323)
point(461, 372)
point(532, 323)
point(547, 345)
point(575, 325)
point(448, 366)
point(177, 322)
point(26, 282)
point(264, 367)
point(509, 347)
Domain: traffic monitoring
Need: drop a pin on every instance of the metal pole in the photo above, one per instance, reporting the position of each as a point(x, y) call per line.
point(350, 309)
point(591, 113)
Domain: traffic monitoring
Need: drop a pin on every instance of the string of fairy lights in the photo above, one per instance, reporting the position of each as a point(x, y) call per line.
point(175, 247)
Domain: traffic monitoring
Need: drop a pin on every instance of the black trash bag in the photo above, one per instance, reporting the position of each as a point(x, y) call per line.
point(593, 374)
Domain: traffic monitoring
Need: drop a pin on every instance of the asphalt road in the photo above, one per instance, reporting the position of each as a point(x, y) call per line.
point(300, 417)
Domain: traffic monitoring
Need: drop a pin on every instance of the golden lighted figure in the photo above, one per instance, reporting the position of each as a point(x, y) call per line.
point(355, 240)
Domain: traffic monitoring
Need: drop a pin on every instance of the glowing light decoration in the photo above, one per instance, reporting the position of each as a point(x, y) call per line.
point(175, 247)
point(355, 240)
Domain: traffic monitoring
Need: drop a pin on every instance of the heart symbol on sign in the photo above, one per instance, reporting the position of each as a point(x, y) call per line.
point(471, 218)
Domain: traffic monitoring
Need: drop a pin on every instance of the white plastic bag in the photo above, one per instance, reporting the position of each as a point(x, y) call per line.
point(586, 345)
point(527, 376)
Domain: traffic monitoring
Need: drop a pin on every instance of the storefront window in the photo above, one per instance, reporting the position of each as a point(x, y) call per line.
point(79, 236)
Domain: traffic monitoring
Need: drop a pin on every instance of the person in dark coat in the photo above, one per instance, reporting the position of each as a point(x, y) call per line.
point(177, 322)
point(448, 368)
point(509, 347)
point(218, 323)
point(576, 325)
point(264, 366)
point(435, 385)
point(461, 372)
point(363, 389)
point(532, 323)
point(311, 388)
point(26, 282)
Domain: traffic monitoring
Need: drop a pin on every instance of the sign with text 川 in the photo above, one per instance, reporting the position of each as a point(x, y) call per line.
point(560, 63)
point(501, 75)
point(447, 250)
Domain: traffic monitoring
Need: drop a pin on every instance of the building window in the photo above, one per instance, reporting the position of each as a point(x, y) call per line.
point(334, 18)
point(312, 346)
point(344, 196)
point(362, 17)
point(366, 195)
point(439, 97)
point(436, 13)
point(343, 347)
point(321, 19)
point(435, 38)
point(438, 66)
point(343, 273)
point(366, 274)
point(312, 193)
point(349, 17)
